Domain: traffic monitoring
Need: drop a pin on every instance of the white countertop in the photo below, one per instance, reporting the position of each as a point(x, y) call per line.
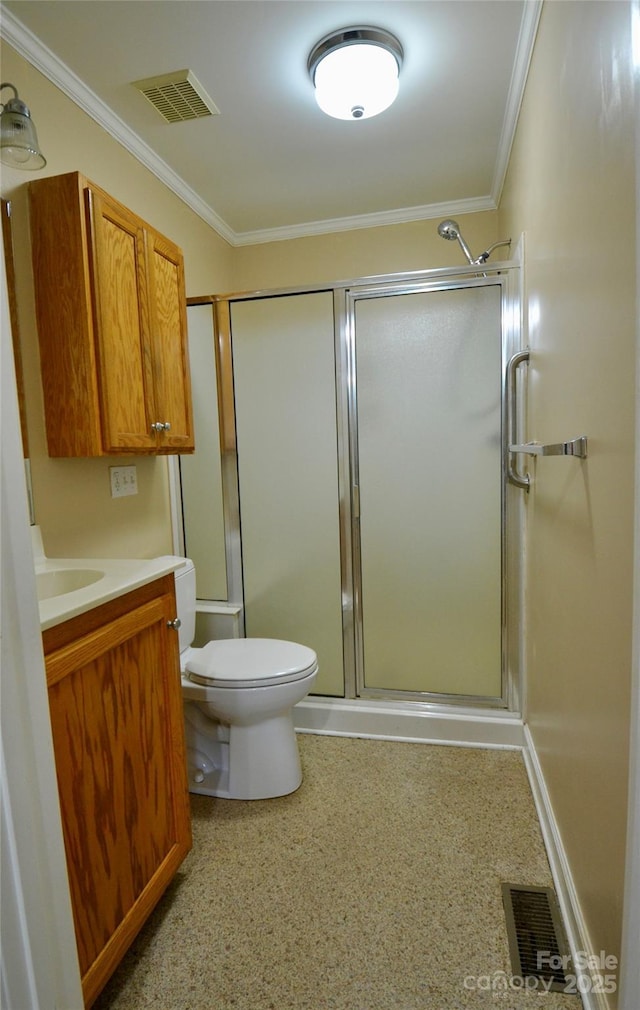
point(118, 576)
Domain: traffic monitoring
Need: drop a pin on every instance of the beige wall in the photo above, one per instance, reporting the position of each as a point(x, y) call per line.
point(571, 189)
point(72, 496)
point(348, 255)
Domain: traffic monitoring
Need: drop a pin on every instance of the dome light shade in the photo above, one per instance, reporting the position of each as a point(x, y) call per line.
point(355, 72)
point(18, 140)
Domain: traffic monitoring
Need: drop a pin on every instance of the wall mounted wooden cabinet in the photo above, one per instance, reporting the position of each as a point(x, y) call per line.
point(116, 713)
point(111, 315)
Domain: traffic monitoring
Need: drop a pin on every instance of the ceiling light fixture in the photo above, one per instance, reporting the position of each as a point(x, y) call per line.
point(18, 139)
point(355, 72)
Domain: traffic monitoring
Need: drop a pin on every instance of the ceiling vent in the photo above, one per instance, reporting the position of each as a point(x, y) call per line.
point(177, 96)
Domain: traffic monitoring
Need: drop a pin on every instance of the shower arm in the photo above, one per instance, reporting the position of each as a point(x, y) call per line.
point(466, 250)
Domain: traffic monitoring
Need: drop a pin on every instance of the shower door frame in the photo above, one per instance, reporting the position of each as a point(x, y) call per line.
point(507, 277)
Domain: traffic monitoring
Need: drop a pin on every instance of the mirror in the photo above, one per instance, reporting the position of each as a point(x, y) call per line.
point(7, 239)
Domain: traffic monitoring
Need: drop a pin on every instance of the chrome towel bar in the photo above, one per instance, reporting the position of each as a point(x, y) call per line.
point(574, 447)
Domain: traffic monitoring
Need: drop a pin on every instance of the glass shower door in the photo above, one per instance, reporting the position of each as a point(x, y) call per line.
point(427, 464)
point(285, 409)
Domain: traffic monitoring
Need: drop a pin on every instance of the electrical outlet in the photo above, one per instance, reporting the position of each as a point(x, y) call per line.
point(124, 481)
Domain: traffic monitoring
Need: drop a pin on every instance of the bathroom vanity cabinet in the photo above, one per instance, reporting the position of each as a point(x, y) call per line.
point(111, 316)
point(116, 711)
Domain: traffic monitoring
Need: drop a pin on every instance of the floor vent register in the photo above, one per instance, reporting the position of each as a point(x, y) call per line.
point(537, 942)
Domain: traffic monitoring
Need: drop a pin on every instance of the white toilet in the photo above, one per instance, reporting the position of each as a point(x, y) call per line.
point(238, 698)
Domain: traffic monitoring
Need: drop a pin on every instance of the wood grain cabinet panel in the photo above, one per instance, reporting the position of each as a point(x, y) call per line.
point(122, 333)
point(111, 315)
point(116, 714)
point(168, 306)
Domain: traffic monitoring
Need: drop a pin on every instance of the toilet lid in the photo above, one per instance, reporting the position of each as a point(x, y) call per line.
point(250, 662)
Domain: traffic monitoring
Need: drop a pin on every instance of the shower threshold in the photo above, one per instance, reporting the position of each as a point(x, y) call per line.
point(410, 721)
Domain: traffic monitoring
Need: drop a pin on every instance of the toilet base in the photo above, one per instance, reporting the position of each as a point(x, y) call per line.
point(252, 762)
point(263, 759)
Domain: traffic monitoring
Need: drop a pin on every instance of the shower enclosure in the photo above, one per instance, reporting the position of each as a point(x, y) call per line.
point(362, 479)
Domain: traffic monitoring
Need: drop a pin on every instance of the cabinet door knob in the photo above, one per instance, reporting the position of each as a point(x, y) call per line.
point(175, 624)
point(157, 426)
point(166, 426)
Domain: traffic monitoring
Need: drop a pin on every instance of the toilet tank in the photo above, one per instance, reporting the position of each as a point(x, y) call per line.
point(186, 602)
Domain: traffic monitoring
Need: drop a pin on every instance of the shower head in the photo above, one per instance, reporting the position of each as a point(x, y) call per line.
point(449, 229)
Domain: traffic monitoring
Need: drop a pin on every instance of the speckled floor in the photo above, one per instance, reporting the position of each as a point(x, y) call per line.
point(375, 886)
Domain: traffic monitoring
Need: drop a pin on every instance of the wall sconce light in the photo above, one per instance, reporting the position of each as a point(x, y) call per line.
point(18, 139)
point(355, 72)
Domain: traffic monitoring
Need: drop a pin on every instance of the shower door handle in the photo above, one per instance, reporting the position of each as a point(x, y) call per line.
point(513, 476)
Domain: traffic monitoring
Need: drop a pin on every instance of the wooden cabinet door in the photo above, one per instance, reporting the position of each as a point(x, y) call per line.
point(172, 382)
point(127, 395)
point(64, 313)
point(116, 713)
point(112, 325)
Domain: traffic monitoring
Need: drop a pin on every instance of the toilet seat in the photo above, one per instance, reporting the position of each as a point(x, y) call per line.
point(250, 662)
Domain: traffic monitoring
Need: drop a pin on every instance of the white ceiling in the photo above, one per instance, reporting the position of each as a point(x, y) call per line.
point(272, 164)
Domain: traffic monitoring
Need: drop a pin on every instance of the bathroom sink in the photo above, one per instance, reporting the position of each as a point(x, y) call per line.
point(59, 581)
point(68, 587)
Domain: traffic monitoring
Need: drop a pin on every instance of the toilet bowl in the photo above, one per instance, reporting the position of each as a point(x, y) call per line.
point(238, 697)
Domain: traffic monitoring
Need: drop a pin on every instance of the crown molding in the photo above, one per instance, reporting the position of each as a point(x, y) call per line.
point(524, 52)
point(403, 215)
point(40, 56)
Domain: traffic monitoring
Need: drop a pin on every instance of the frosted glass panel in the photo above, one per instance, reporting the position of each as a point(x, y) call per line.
point(200, 472)
point(429, 435)
point(284, 378)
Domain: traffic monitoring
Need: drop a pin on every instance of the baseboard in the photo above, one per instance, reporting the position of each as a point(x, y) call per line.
point(383, 720)
point(575, 926)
